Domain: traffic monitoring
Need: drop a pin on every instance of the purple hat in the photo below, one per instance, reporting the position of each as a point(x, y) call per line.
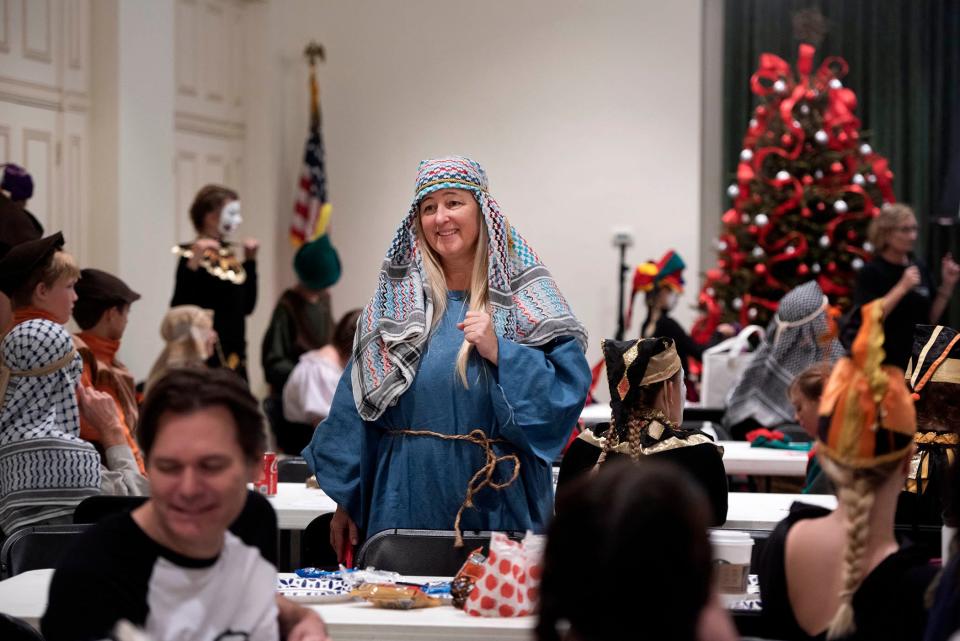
point(17, 181)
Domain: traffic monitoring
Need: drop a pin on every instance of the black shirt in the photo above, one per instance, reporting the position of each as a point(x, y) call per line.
point(230, 303)
point(875, 280)
point(888, 605)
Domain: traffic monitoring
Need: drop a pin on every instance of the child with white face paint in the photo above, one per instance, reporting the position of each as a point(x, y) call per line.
point(212, 275)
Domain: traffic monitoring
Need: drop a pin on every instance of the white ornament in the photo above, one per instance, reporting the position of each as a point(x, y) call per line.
point(821, 137)
point(871, 178)
point(757, 252)
point(737, 303)
point(790, 250)
point(752, 124)
point(783, 174)
point(796, 124)
point(815, 268)
point(824, 241)
point(857, 264)
point(858, 179)
point(840, 207)
point(761, 219)
point(818, 174)
point(745, 218)
point(835, 83)
point(752, 312)
point(865, 149)
point(868, 246)
point(746, 155)
point(733, 191)
point(721, 245)
point(779, 86)
point(710, 292)
point(804, 109)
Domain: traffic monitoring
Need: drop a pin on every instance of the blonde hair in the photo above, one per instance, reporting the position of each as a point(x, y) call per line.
point(478, 293)
point(186, 329)
point(882, 227)
point(60, 265)
point(856, 491)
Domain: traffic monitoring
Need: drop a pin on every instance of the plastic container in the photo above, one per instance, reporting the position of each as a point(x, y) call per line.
point(731, 560)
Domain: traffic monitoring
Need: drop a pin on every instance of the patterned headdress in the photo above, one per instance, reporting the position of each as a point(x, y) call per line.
point(525, 302)
point(799, 335)
point(867, 416)
point(651, 276)
point(45, 468)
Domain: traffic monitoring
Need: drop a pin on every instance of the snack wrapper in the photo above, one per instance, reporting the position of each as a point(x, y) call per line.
point(510, 582)
point(395, 597)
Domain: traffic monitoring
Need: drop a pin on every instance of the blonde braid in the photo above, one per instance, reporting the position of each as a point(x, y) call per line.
point(634, 433)
point(610, 443)
point(857, 498)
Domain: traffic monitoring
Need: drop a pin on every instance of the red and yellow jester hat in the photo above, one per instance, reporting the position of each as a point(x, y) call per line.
point(651, 276)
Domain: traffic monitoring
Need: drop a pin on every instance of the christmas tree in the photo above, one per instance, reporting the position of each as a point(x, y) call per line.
point(807, 186)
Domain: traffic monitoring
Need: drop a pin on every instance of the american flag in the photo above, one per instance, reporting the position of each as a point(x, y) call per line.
point(311, 212)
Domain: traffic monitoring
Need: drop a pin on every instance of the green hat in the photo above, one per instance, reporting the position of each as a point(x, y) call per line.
point(317, 264)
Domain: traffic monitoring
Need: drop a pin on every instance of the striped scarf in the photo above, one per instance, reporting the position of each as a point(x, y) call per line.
point(393, 330)
point(45, 468)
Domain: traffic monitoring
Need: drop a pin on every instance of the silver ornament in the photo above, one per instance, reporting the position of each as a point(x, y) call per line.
point(796, 124)
point(865, 149)
point(783, 175)
point(804, 109)
point(753, 123)
point(745, 218)
point(858, 179)
point(857, 264)
point(733, 191)
point(761, 219)
point(868, 246)
point(821, 137)
point(871, 178)
point(824, 241)
point(840, 207)
point(790, 250)
point(737, 303)
point(752, 312)
point(835, 83)
point(721, 245)
point(757, 252)
point(815, 268)
point(779, 86)
point(818, 174)
point(746, 155)
point(710, 292)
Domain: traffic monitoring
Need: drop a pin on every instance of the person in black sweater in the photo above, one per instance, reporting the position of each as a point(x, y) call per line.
point(662, 281)
point(211, 275)
point(902, 281)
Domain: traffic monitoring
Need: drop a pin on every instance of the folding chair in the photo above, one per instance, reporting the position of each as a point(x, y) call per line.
point(292, 470)
point(422, 552)
point(37, 547)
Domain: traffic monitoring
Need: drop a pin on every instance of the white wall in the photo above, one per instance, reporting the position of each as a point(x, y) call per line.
point(587, 117)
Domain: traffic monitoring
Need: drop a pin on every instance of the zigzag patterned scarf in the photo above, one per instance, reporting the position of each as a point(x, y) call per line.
point(524, 300)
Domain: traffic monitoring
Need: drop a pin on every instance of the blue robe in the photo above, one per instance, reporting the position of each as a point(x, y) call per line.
point(385, 480)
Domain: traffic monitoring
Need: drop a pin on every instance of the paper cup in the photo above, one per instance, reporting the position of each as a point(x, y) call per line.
point(731, 560)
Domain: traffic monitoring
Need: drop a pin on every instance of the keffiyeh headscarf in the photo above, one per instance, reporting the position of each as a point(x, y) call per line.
point(45, 467)
point(796, 338)
point(525, 302)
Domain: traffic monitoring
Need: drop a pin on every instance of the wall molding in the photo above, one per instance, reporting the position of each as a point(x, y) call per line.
point(32, 94)
point(207, 126)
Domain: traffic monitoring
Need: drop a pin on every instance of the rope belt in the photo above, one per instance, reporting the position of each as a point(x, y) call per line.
point(483, 477)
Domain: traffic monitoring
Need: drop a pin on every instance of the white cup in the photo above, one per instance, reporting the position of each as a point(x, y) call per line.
point(731, 560)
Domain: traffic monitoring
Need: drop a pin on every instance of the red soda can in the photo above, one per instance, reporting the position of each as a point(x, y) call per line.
point(267, 483)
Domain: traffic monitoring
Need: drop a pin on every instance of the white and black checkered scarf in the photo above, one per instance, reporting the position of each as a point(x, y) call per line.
point(45, 467)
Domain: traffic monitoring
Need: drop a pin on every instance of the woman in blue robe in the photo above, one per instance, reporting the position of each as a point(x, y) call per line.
point(467, 377)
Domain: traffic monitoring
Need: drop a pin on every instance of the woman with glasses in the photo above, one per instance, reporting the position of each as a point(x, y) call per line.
point(894, 274)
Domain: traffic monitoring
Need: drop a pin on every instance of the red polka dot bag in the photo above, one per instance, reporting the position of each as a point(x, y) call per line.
point(509, 583)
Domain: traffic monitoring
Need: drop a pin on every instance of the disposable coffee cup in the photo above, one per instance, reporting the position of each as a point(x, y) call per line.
point(731, 560)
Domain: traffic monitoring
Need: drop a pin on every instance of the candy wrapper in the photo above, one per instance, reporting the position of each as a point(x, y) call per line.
point(462, 584)
point(510, 582)
point(395, 597)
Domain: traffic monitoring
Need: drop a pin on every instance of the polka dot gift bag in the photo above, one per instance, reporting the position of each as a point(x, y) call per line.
point(510, 580)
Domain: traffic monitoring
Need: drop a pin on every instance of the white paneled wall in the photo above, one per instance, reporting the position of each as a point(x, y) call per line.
point(44, 105)
point(209, 104)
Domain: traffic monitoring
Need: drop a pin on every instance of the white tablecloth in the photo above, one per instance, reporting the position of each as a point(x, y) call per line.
point(740, 458)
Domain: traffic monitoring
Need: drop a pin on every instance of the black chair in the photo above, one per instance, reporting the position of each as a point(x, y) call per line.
point(422, 552)
point(315, 548)
point(36, 548)
point(94, 508)
point(292, 470)
point(14, 629)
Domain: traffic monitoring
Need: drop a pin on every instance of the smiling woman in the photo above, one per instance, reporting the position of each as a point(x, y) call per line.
point(467, 375)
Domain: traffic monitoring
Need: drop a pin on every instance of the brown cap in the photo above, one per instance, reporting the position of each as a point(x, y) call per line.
point(97, 285)
point(21, 261)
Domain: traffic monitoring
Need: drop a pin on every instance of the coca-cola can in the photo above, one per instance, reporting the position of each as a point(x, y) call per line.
point(267, 483)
